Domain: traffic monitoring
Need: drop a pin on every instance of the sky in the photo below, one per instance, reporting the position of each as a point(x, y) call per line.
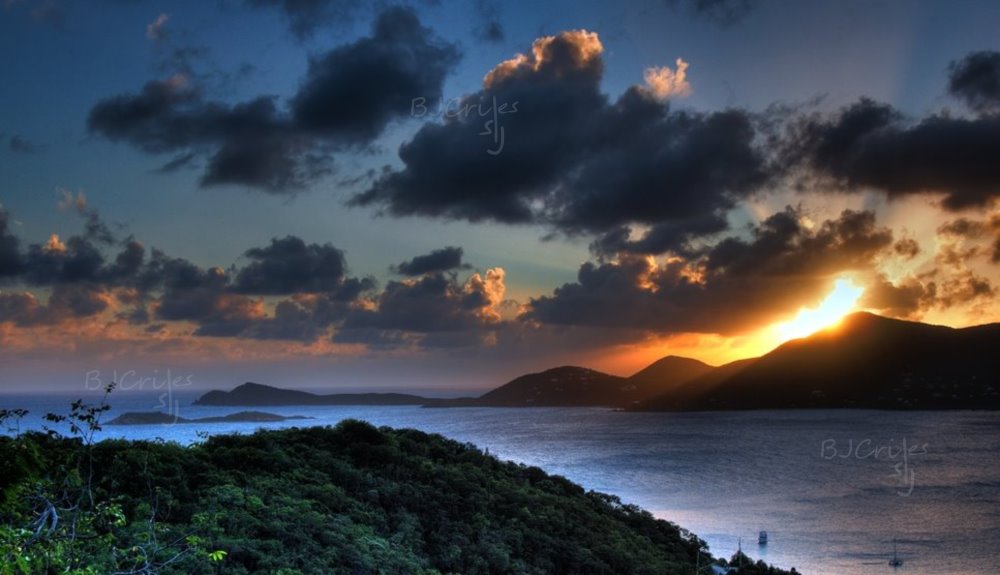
point(443, 195)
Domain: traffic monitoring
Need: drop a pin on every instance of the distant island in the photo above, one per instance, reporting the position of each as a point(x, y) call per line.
point(256, 394)
point(572, 386)
point(158, 417)
point(567, 386)
point(866, 362)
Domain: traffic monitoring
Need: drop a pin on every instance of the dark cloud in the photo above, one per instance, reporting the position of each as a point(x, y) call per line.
point(217, 302)
point(975, 79)
point(352, 92)
point(722, 12)
point(550, 102)
point(76, 301)
point(738, 285)
point(253, 144)
point(963, 288)
point(675, 236)
point(18, 308)
point(417, 312)
point(290, 321)
point(910, 297)
point(20, 144)
point(306, 16)
point(79, 259)
point(962, 227)
point(76, 260)
point(681, 171)
point(10, 249)
point(572, 159)
point(907, 248)
point(288, 265)
point(178, 162)
point(156, 119)
point(272, 163)
point(434, 302)
point(84, 281)
point(82, 278)
point(489, 28)
point(65, 302)
point(349, 96)
point(957, 285)
point(965, 228)
point(870, 145)
point(445, 259)
point(201, 296)
point(969, 228)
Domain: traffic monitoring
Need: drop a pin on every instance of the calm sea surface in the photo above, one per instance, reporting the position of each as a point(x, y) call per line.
point(833, 489)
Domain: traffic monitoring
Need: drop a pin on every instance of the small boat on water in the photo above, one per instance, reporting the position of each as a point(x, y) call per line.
point(762, 538)
point(895, 561)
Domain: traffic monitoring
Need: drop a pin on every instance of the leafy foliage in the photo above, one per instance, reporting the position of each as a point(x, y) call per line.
point(324, 500)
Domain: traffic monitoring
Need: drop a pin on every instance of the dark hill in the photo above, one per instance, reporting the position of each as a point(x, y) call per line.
point(867, 361)
point(571, 386)
point(668, 373)
point(350, 499)
point(560, 386)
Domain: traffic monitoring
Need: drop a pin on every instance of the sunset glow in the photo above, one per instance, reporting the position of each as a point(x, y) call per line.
point(841, 301)
point(448, 195)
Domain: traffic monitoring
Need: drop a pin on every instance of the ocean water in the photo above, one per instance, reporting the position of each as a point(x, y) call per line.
point(833, 489)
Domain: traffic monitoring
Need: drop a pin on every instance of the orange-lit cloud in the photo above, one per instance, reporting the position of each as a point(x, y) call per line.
point(54, 245)
point(665, 83)
point(572, 50)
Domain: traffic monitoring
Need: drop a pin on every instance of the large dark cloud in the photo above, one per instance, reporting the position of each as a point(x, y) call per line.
point(975, 79)
point(418, 311)
point(870, 145)
point(549, 104)
point(288, 265)
point(441, 260)
point(353, 91)
point(738, 285)
point(572, 159)
point(431, 303)
point(77, 260)
point(249, 143)
point(348, 97)
point(644, 178)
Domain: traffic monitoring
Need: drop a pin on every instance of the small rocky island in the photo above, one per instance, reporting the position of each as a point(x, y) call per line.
point(158, 417)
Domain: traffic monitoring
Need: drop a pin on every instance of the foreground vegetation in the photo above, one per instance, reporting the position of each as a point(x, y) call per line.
point(320, 500)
